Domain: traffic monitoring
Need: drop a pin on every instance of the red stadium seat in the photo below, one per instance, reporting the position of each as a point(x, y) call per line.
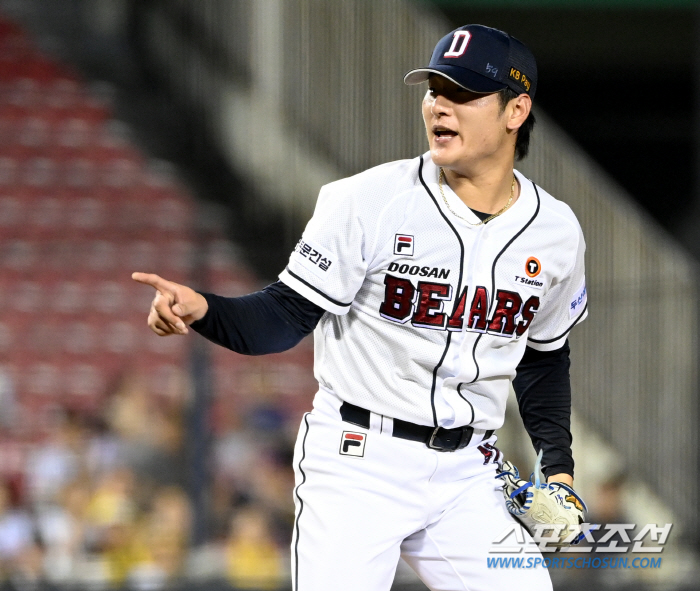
point(81, 208)
point(109, 298)
point(40, 69)
point(19, 256)
point(84, 385)
point(131, 210)
point(41, 378)
point(167, 379)
point(140, 299)
point(11, 333)
point(169, 347)
point(47, 213)
point(86, 215)
point(39, 172)
point(63, 256)
point(67, 297)
point(178, 256)
point(13, 215)
point(121, 337)
point(8, 171)
point(80, 336)
point(141, 254)
point(100, 257)
point(76, 135)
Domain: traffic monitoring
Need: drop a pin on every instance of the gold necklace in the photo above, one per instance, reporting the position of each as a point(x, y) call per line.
point(488, 219)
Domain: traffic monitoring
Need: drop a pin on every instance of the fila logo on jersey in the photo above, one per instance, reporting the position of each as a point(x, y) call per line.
point(460, 38)
point(424, 307)
point(353, 444)
point(403, 245)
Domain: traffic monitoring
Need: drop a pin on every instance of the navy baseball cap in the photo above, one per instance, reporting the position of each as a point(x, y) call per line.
point(481, 59)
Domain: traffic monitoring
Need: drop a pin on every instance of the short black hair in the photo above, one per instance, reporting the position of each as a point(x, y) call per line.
point(522, 142)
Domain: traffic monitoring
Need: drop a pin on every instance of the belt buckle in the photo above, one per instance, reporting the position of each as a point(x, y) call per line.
point(432, 438)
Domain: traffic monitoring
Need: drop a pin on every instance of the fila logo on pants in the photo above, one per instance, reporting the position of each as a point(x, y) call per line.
point(353, 444)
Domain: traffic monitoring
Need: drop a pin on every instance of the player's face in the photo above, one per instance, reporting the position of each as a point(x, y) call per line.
point(463, 127)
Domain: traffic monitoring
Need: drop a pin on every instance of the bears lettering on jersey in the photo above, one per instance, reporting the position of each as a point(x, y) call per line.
point(424, 305)
point(432, 297)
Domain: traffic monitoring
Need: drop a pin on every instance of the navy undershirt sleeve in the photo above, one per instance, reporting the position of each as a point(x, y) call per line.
point(543, 389)
point(268, 321)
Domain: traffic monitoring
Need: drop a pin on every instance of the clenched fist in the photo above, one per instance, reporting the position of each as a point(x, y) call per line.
point(174, 306)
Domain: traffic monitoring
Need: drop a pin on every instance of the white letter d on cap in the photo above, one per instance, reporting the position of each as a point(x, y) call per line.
point(465, 37)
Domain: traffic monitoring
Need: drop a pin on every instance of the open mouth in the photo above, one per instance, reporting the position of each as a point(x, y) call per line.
point(443, 132)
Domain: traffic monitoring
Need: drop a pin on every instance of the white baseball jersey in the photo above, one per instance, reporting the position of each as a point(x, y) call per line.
point(430, 314)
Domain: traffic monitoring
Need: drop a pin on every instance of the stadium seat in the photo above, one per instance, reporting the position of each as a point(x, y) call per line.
point(67, 297)
point(81, 208)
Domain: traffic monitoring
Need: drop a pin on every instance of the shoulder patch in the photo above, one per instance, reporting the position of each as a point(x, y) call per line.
point(312, 258)
point(578, 301)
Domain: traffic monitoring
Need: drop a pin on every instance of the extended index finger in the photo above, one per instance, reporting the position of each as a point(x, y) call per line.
point(155, 281)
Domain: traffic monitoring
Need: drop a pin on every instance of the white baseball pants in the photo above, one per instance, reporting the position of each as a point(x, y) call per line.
point(356, 515)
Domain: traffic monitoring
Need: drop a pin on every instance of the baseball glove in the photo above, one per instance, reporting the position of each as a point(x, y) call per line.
point(541, 507)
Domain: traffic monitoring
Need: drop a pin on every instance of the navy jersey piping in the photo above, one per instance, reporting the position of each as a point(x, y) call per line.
point(318, 291)
point(301, 505)
point(459, 391)
point(544, 342)
point(459, 287)
point(493, 273)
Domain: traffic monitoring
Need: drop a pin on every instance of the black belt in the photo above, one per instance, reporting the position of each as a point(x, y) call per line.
point(437, 438)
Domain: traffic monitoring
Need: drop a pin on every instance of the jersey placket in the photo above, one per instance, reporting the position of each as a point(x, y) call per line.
point(456, 363)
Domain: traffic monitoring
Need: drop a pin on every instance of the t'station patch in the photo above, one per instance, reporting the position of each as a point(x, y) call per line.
point(533, 267)
point(403, 245)
point(353, 444)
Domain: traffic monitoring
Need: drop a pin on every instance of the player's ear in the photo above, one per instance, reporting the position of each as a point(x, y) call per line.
point(517, 111)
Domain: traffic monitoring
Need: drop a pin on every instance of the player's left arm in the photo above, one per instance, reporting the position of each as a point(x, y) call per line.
point(543, 389)
point(542, 384)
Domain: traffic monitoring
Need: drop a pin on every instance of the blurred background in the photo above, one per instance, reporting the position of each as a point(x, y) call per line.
point(190, 138)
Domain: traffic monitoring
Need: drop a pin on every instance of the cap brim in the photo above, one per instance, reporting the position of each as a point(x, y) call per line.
point(460, 76)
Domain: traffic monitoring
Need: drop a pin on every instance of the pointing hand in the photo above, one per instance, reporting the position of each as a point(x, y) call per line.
point(174, 306)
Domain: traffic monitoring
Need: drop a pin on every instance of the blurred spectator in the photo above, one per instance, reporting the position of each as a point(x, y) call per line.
point(28, 573)
point(104, 449)
point(55, 462)
point(608, 503)
point(253, 560)
point(9, 411)
point(62, 532)
point(167, 530)
point(150, 430)
point(16, 529)
point(112, 502)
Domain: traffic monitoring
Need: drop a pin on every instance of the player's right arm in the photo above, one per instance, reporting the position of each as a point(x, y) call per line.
point(174, 306)
point(325, 271)
point(268, 321)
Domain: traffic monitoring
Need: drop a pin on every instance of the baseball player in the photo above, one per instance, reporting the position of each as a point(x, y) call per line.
point(430, 284)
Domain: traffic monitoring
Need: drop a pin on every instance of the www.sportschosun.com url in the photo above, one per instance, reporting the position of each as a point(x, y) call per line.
point(570, 562)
